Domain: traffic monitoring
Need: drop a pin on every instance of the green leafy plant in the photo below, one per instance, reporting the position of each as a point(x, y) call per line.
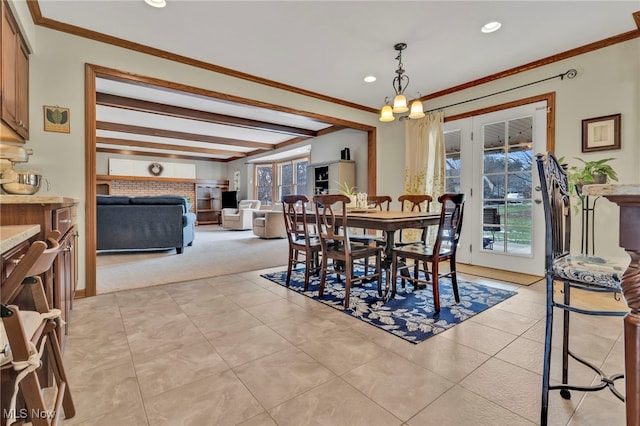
point(591, 172)
point(345, 189)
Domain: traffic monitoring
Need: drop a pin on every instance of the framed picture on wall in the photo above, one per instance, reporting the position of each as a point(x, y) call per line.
point(601, 133)
point(56, 119)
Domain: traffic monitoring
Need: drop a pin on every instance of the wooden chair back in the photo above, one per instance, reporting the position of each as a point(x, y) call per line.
point(381, 202)
point(415, 202)
point(296, 221)
point(332, 232)
point(450, 222)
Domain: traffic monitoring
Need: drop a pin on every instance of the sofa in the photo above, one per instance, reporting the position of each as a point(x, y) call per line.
point(242, 217)
point(144, 222)
point(269, 223)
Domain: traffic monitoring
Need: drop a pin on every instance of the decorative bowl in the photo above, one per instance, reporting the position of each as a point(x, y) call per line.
point(25, 183)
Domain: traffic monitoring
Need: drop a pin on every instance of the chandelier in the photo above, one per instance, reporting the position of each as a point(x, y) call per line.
point(400, 83)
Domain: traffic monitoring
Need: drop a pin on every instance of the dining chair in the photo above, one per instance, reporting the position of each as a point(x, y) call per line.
point(575, 272)
point(413, 203)
point(302, 240)
point(444, 248)
point(26, 334)
point(382, 203)
point(331, 220)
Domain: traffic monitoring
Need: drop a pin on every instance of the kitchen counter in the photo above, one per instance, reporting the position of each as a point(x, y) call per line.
point(37, 199)
point(12, 235)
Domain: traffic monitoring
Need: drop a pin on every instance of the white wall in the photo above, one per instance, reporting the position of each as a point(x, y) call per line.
point(608, 83)
point(207, 170)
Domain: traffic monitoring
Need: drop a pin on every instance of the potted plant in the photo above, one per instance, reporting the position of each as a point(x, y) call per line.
point(591, 172)
point(349, 191)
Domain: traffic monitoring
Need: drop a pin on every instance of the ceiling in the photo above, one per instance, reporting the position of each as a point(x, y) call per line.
point(319, 48)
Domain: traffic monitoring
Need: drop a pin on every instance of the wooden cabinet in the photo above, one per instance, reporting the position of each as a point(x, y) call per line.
point(58, 214)
point(15, 80)
point(327, 178)
point(65, 268)
point(209, 201)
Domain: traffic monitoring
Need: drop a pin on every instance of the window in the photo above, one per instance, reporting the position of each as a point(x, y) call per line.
point(264, 183)
point(281, 178)
point(452, 167)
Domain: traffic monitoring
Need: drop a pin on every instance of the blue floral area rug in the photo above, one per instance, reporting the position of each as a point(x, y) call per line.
point(410, 315)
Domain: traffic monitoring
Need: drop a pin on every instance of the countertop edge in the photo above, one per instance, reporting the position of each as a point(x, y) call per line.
point(37, 199)
point(12, 235)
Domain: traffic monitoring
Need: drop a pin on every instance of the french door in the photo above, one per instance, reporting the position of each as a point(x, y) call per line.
point(491, 158)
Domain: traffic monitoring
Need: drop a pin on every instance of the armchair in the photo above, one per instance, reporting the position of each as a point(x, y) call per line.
point(242, 217)
point(269, 223)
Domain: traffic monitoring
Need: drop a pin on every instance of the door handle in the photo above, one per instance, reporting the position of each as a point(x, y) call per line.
point(537, 201)
point(537, 188)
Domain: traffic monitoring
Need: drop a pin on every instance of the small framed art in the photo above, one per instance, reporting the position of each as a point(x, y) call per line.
point(601, 133)
point(56, 119)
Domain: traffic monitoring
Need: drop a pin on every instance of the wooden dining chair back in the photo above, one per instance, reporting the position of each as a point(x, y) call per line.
point(582, 272)
point(331, 220)
point(413, 203)
point(25, 336)
point(444, 248)
point(381, 202)
point(303, 240)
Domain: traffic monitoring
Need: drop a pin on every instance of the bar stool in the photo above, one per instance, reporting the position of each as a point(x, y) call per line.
point(26, 334)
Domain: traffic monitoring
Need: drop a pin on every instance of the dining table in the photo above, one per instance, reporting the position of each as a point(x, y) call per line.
point(627, 197)
point(389, 222)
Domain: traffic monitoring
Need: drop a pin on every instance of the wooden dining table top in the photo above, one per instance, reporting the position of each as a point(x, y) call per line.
point(391, 220)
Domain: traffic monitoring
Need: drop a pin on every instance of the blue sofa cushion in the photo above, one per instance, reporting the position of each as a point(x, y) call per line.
point(112, 199)
point(161, 200)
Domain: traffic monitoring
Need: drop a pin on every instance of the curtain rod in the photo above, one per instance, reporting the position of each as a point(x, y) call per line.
point(569, 74)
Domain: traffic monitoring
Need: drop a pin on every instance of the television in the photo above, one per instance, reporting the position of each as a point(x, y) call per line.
point(230, 199)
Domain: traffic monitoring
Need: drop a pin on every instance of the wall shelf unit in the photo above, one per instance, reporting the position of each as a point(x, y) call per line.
point(208, 204)
point(327, 178)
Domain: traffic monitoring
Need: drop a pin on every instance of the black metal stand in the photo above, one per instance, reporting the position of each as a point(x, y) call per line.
point(588, 224)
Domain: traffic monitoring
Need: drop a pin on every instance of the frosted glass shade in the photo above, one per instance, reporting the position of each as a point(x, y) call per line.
point(386, 114)
point(416, 110)
point(400, 104)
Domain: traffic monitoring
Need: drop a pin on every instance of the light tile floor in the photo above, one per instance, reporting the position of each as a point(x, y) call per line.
point(241, 350)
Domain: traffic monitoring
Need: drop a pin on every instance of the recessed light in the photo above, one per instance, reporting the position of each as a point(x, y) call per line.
point(491, 27)
point(369, 79)
point(156, 3)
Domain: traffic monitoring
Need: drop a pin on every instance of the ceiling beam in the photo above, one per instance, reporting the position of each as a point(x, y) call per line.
point(157, 154)
point(193, 114)
point(150, 131)
point(168, 147)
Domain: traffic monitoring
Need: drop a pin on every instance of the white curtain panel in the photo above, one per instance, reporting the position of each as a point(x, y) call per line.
point(425, 159)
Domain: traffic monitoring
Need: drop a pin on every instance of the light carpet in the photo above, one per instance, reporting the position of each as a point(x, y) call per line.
point(410, 315)
point(215, 252)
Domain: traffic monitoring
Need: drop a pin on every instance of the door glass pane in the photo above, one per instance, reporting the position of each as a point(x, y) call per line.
point(507, 186)
point(492, 229)
point(452, 166)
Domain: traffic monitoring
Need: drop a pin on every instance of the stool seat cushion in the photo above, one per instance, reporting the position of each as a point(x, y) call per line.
point(589, 270)
point(31, 320)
